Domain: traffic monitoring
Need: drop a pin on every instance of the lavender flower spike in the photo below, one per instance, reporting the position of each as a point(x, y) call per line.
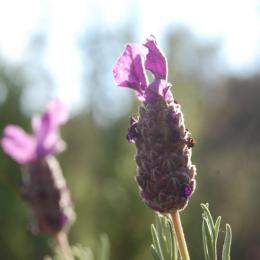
point(165, 173)
point(43, 186)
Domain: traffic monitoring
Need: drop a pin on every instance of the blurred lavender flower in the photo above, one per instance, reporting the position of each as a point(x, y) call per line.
point(25, 148)
point(43, 186)
point(165, 173)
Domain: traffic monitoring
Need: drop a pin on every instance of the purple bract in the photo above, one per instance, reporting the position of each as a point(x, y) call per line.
point(45, 140)
point(129, 70)
point(186, 191)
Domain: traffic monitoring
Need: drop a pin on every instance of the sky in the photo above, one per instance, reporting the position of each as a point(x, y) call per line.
point(237, 23)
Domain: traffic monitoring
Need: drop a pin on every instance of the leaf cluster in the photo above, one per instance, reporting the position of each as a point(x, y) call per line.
point(210, 233)
point(80, 252)
point(165, 246)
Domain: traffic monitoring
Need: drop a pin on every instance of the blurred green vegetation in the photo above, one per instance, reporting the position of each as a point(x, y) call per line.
point(220, 110)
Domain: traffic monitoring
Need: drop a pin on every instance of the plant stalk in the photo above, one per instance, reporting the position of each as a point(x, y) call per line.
point(63, 243)
point(180, 235)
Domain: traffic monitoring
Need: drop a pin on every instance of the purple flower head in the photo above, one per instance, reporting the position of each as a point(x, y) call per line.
point(129, 70)
point(45, 140)
point(165, 173)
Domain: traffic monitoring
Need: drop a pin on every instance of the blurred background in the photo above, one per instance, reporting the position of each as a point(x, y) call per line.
point(67, 49)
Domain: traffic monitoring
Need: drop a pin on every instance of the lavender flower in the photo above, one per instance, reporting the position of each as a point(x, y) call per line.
point(25, 148)
point(165, 174)
point(43, 186)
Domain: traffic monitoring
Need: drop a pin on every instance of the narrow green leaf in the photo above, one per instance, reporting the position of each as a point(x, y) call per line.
point(205, 207)
point(170, 239)
point(164, 241)
point(227, 243)
point(156, 242)
point(154, 253)
point(204, 240)
point(210, 237)
point(216, 228)
point(174, 245)
point(211, 229)
point(161, 236)
point(216, 233)
point(158, 225)
point(103, 253)
point(169, 236)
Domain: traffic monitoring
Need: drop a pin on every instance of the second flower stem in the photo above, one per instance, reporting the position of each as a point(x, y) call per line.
point(180, 235)
point(62, 242)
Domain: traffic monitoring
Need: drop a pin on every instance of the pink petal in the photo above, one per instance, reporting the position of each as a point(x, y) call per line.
point(52, 144)
point(129, 69)
point(46, 128)
point(155, 60)
point(58, 111)
point(18, 144)
point(36, 122)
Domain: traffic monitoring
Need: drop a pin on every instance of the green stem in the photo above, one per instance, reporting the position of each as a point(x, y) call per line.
point(63, 243)
point(180, 235)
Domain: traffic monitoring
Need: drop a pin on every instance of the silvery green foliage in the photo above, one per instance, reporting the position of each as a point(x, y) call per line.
point(80, 252)
point(164, 246)
point(210, 232)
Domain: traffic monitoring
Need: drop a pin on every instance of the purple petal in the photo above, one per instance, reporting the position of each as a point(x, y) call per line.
point(186, 190)
point(129, 69)
point(159, 87)
point(155, 60)
point(46, 128)
point(18, 144)
point(58, 111)
point(51, 144)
